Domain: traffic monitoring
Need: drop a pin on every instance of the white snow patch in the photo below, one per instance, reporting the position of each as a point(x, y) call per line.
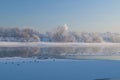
point(56, 44)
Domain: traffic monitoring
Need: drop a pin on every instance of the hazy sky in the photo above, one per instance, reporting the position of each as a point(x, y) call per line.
point(80, 15)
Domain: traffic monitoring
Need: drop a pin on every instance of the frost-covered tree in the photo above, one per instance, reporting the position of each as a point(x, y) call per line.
point(115, 38)
point(18, 35)
point(59, 33)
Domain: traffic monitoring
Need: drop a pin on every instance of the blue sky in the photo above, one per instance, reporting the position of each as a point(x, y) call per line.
point(80, 15)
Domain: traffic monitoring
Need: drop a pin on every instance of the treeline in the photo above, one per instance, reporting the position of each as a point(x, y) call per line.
point(19, 35)
point(60, 34)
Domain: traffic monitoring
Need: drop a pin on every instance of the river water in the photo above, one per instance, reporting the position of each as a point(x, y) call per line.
point(60, 63)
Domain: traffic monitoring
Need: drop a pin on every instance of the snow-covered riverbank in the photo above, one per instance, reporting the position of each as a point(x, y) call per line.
point(56, 44)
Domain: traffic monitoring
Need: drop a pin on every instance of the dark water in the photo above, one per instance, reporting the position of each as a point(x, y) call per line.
point(65, 63)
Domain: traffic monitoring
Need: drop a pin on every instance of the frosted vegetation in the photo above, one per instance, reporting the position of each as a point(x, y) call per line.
point(60, 34)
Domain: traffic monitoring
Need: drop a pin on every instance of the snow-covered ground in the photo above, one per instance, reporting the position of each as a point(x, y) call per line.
point(56, 44)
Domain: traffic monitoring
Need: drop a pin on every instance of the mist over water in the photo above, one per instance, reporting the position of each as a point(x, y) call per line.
point(60, 52)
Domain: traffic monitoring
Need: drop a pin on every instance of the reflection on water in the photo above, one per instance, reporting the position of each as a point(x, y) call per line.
point(62, 52)
point(18, 52)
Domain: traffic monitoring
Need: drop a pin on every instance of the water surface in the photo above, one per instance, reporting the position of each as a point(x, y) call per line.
point(60, 63)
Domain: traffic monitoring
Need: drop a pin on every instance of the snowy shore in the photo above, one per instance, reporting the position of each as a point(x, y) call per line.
point(56, 44)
